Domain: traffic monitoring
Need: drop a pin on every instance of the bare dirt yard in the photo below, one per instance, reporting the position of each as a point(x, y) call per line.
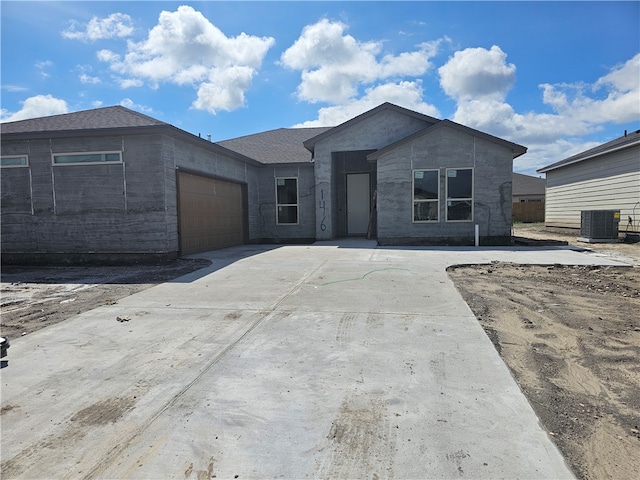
point(571, 338)
point(34, 297)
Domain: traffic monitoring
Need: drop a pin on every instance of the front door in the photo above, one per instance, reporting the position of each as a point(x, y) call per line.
point(358, 203)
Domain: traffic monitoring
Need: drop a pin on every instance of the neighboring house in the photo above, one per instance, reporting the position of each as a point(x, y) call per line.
point(606, 177)
point(114, 184)
point(528, 189)
point(528, 198)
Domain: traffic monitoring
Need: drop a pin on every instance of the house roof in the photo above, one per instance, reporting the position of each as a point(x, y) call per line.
point(626, 141)
point(528, 185)
point(99, 118)
point(283, 145)
point(114, 120)
point(310, 143)
point(514, 147)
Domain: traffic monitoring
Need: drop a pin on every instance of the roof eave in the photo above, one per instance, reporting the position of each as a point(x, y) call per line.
point(579, 158)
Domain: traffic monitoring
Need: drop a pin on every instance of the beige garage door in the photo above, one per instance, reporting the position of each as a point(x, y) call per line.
point(210, 213)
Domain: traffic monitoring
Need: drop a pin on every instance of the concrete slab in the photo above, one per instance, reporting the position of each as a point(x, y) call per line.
point(324, 361)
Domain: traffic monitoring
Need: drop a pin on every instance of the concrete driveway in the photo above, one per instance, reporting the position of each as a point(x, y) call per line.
point(325, 361)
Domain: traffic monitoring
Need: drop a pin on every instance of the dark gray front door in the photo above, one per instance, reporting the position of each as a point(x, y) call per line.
point(358, 203)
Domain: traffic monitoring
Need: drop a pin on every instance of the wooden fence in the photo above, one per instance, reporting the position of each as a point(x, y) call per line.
point(528, 212)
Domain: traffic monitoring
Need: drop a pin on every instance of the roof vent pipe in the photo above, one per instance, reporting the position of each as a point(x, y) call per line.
point(625, 133)
point(209, 136)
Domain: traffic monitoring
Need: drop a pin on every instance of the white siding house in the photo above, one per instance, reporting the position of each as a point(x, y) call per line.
point(606, 177)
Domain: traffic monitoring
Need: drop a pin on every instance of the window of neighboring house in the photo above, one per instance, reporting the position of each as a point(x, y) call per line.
point(425, 195)
point(286, 201)
point(86, 158)
point(459, 194)
point(14, 161)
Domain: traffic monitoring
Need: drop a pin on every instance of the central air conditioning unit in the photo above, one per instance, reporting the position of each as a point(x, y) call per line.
point(599, 226)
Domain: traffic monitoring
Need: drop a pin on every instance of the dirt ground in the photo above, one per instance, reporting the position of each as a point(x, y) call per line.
point(570, 335)
point(571, 338)
point(34, 297)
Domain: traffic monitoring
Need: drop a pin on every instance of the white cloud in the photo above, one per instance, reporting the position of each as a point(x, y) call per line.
point(130, 104)
point(14, 88)
point(37, 106)
point(334, 65)
point(184, 48)
point(129, 82)
point(477, 72)
point(86, 79)
point(116, 25)
point(42, 66)
point(404, 94)
point(480, 79)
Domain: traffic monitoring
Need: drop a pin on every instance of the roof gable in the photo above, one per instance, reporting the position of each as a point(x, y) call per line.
point(626, 141)
point(310, 143)
point(99, 118)
point(514, 147)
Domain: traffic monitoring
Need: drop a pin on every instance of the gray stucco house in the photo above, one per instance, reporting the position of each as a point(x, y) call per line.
point(113, 184)
point(606, 177)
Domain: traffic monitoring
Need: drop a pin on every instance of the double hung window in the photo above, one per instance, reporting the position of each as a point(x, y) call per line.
point(426, 187)
point(459, 194)
point(286, 201)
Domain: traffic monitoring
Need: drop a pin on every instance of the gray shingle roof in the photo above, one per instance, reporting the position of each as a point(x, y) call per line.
point(528, 185)
point(99, 118)
point(621, 142)
point(283, 145)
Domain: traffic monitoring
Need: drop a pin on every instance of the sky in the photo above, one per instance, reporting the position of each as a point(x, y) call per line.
point(556, 77)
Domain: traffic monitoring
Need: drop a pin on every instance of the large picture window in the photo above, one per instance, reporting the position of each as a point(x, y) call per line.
point(86, 157)
point(286, 201)
point(14, 161)
point(426, 187)
point(459, 194)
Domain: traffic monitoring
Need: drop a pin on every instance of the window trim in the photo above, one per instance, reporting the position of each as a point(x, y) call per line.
point(461, 199)
point(72, 154)
point(297, 204)
point(413, 200)
point(26, 164)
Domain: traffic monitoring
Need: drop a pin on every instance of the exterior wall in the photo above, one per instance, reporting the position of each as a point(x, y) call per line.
point(441, 149)
point(608, 182)
point(50, 212)
point(372, 133)
point(265, 205)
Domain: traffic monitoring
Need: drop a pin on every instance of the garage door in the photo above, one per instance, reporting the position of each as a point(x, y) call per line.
point(210, 213)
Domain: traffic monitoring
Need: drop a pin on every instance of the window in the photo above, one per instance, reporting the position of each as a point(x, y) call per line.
point(286, 201)
point(425, 195)
point(14, 161)
point(459, 194)
point(92, 157)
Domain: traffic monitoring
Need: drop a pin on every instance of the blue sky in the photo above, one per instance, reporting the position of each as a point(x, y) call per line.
point(557, 77)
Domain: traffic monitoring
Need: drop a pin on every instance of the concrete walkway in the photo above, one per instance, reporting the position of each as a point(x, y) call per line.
point(325, 361)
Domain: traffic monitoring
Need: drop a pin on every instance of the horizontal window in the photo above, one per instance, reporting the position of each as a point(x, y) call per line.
point(84, 158)
point(14, 161)
point(459, 195)
point(286, 201)
point(426, 188)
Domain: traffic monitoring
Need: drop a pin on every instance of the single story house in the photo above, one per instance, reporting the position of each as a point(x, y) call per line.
point(113, 184)
point(528, 189)
point(606, 177)
point(528, 198)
